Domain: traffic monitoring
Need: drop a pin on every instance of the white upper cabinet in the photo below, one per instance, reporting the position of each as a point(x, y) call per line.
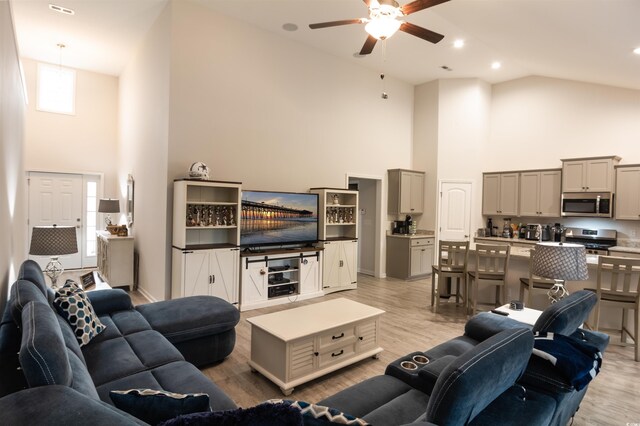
point(500, 194)
point(628, 192)
point(406, 191)
point(540, 193)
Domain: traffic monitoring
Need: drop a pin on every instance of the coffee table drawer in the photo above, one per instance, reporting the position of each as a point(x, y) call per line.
point(337, 336)
point(336, 355)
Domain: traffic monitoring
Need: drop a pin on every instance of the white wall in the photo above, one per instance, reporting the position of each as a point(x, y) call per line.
point(84, 142)
point(536, 121)
point(274, 114)
point(13, 244)
point(143, 149)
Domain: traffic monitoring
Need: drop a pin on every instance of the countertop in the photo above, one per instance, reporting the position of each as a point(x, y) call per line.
point(523, 252)
point(419, 234)
point(625, 249)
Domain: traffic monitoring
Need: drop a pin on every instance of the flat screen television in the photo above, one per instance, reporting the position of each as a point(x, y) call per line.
point(278, 218)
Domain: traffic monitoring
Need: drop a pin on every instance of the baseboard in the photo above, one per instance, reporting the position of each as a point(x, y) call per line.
point(146, 295)
point(367, 272)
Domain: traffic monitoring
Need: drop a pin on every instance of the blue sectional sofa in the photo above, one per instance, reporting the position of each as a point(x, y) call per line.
point(485, 377)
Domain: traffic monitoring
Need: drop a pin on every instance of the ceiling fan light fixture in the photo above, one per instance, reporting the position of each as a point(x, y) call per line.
point(636, 50)
point(382, 28)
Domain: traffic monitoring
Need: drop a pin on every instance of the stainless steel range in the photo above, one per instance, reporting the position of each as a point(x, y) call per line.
point(596, 241)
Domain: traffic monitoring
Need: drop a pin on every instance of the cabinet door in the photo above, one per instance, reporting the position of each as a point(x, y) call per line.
point(223, 268)
point(196, 273)
point(417, 193)
point(405, 192)
point(599, 176)
point(490, 194)
point(509, 194)
point(331, 265)
point(628, 193)
point(550, 194)
point(573, 173)
point(309, 275)
point(416, 261)
point(254, 282)
point(529, 193)
point(348, 262)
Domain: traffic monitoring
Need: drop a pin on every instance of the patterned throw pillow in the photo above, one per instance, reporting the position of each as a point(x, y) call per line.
point(155, 406)
point(317, 415)
point(74, 306)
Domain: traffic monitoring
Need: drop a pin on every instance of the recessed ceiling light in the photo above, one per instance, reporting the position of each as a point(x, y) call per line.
point(458, 44)
point(61, 9)
point(496, 65)
point(289, 27)
point(636, 50)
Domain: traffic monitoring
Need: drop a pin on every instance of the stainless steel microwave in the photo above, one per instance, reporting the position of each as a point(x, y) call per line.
point(587, 204)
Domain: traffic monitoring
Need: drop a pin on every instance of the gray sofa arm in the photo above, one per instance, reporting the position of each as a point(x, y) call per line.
point(107, 301)
point(58, 405)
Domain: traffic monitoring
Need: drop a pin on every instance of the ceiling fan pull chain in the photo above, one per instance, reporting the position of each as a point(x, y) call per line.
point(384, 60)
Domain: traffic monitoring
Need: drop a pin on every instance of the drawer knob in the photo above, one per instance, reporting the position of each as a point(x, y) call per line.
point(360, 338)
point(337, 337)
point(316, 353)
point(333, 354)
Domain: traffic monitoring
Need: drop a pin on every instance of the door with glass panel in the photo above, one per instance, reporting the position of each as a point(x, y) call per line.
point(66, 199)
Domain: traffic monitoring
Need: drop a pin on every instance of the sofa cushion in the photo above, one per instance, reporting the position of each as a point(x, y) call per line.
point(190, 318)
point(179, 377)
point(155, 406)
point(565, 316)
point(73, 305)
point(265, 414)
point(108, 301)
point(23, 292)
point(112, 359)
point(380, 400)
point(31, 271)
point(476, 378)
point(43, 355)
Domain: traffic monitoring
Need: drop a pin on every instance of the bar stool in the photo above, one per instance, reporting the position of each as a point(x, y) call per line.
point(492, 263)
point(452, 263)
point(533, 282)
point(623, 278)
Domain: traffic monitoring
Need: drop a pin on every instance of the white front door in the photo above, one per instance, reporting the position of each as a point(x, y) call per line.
point(455, 210)
point(56, 198)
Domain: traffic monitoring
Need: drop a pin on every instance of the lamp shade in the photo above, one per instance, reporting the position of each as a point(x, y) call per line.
point(53, 240)
point(109, 206)
point(560, 261)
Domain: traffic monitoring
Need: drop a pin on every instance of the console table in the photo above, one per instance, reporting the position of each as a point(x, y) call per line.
point(297, 345)
point(115, 259)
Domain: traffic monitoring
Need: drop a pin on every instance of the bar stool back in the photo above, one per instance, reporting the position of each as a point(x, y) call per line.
point(452, 263)
point(492, 264)
point(533, 282)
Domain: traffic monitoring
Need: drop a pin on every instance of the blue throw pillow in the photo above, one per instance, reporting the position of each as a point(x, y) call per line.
point(73, 305)
point(318, 415)
point(155, 406)
point(261, 415)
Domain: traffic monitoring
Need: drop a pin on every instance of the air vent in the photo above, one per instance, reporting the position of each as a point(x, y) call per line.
point(61, 9)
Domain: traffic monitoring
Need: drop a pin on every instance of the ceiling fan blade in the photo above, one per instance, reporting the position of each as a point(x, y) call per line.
point(418, 5)
point(336, 23)
point(368, 46)
point(420, 32)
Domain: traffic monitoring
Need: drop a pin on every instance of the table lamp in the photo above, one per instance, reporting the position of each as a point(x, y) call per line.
point(53, 241)
point(109, 206)
point(560, 262)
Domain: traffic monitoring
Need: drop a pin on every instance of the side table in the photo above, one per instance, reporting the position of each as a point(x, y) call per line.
point(526, 315)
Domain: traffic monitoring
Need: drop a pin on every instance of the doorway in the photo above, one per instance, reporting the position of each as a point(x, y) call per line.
point(66, 199)
point(370, 222)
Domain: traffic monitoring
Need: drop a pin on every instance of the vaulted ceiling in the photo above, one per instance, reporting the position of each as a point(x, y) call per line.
point(584, 40)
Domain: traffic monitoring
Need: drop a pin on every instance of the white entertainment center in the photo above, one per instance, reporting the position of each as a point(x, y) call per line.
point(209, 258)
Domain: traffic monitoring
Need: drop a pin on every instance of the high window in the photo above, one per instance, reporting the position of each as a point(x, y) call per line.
point(56, 90)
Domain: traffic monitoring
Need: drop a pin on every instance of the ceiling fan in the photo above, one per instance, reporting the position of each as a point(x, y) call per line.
point(384, 21)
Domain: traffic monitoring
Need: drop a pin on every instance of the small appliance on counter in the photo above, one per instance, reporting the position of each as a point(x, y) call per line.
point(546, 233)
point(522, 231)
point(400, 227)
point(557, 232)
point(532, 232)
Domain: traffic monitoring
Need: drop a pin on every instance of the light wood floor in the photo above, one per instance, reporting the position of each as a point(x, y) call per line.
point(408, 325)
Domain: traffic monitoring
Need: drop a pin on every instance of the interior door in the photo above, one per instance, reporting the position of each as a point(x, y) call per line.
point(56, 198)
point(455, 210)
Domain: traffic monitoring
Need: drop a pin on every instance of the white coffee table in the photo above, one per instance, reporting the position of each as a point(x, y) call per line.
point(297, 345)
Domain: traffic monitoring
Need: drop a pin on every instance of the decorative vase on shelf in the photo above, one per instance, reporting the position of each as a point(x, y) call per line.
point(336, 199)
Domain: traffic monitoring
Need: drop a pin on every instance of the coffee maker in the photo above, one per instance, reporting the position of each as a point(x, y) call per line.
point(400, 227)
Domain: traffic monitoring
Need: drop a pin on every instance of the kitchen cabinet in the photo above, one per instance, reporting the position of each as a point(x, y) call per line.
point(594, 174)
point(211, 272)
point(500, 193)
point(627, 199)
point(409, 257)
point(406, 192)
point(540, 193)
